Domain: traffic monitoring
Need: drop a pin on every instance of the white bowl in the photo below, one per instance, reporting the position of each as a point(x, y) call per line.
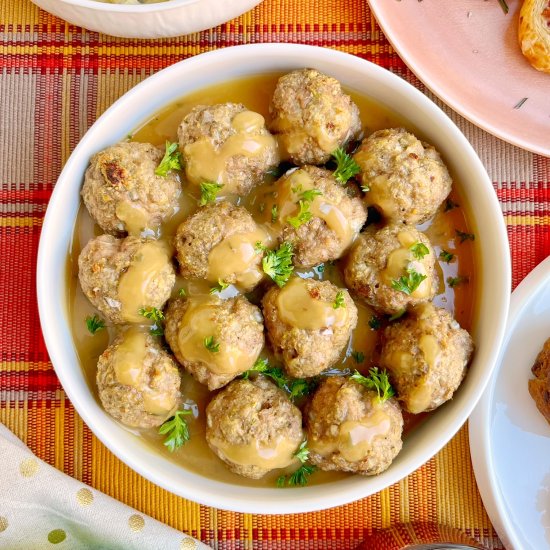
point(162, 20)
point(137, 106)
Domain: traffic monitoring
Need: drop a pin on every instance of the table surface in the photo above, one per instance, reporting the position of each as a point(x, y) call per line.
point(55, 80)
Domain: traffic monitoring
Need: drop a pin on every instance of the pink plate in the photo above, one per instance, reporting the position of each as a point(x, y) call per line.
point(467, 53)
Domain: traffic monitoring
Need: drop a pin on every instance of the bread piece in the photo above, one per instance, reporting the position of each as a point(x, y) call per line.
point(534, 33)
point(539, 387)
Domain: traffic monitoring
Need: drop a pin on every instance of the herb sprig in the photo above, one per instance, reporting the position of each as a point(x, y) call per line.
point(410, 282)
point(176, 430)
point(340, 300)
point(170, 161)
point(346, 167)
point(209, 192)
point(419, 250)
point(222, 285)
point(94, 324)
point(277, 264)
point(211, 345)
point(446, 256)
point(301, 476)
point(304, 214)
point(156, 315)
point(376, 380)
point(464, 236)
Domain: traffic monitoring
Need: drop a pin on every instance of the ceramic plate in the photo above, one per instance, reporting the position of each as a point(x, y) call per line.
point(467, 53)
point(509, 438)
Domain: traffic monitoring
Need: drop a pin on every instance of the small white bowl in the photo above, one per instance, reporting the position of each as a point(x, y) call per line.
point(160, 20)
point(136, 107)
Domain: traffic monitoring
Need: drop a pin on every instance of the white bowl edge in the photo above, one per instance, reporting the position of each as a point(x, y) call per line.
point(200, 71)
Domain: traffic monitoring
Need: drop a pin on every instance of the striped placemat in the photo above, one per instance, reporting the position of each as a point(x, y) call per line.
point(55, 80)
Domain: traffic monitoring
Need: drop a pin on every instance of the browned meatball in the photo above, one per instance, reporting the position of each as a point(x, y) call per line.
point(426, 355)
point(407, 180)
point(308, 324)
point(138, 382)
point(350, 429)
point(539, 387)
point(385, 268)
point(218, 242)
point(227, 144)
point(312, 116)
point(336, 215)
point(234, 327)
point(253, 427)
point(122, 191)
point(121, 276)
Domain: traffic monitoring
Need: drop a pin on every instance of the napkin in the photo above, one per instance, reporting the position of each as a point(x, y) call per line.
point(41, 507)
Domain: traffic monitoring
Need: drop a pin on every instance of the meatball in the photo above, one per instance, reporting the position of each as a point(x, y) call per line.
point(122, 191)
point(539, 387)
point(227, 144)
point(122, 276)
point(385, 267)
point(253, 427)
point(336, 215)
point(218, 243)
point(350, 429)
point(426, 355)
point(406, 179)
point(215, 340)
point(308, 324)
point(312, 116)
point(138, 382)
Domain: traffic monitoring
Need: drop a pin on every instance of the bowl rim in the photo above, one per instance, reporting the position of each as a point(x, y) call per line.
point(130, 8)
point(197, 487)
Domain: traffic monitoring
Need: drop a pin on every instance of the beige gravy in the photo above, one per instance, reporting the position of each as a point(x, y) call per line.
point(255, 93)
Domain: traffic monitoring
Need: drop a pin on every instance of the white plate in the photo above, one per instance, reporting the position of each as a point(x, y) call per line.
point(509, 438)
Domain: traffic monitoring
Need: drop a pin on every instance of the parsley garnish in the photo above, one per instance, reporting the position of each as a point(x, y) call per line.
point(304, 214)
point(320, 268)
point(358, 356)
point(182, 293)
point(170, 161)
point(95, 323)
point(455, 281)
point(419, 250)
point(176, 430)
point(376, 380)
point(346, 167)
point(397, 315)
point(301, 475)
point(450, 205)
point(374, 322)
point(446, 257)
point(274, 213)
point(211, 345)
point(209, 191)
point(339, 301)
point(155, 315)
point(299, 387)
point(408, 283)
point(275, 373)
point(277, 264)
point(222, 285)
point(464, 236)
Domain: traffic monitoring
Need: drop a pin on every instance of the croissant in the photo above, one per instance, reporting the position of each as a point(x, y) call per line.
point(534, 33)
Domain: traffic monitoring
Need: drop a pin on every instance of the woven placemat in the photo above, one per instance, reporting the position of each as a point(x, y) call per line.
point(55, 80)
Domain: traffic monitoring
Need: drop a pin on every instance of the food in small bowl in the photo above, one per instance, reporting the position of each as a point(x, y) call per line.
point(146, 18)
point(259, 285)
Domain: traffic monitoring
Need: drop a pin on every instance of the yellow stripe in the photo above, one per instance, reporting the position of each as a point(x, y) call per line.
point(24, 366)
point(23, 221)
point(527, 220)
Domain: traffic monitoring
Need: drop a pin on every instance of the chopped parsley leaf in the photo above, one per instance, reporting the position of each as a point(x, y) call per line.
point(94, 324)
point(346, 167)
point(419, 250)
point(376, 380)
point(211, 345)
point(209, 192)
point(176, 430)
point(277, 264)
point(409, 282)
point(170, 161)
point(446, 257)
point(339, 301)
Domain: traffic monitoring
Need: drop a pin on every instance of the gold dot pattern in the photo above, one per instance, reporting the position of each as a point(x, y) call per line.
point(136, 522)
point(56, 536)
point(28, 467)
point(84, 497)
point(188, 544)
point(3, 523)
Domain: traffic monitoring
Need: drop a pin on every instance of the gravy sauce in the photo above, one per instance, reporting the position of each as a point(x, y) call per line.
point(255, 93)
